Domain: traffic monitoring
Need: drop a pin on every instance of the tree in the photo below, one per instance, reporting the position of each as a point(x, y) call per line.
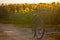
point(4, 13)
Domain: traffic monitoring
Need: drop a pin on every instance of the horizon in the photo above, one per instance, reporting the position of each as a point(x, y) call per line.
point(27, 1)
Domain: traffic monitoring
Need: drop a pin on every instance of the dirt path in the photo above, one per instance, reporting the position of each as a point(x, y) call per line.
point(9, 32)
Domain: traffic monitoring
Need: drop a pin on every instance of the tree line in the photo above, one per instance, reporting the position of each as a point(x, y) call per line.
point(50, 13)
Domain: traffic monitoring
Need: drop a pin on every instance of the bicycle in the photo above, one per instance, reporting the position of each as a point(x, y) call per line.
point(38, 29)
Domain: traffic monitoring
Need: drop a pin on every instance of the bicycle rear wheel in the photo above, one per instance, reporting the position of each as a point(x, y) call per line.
point(38, 33)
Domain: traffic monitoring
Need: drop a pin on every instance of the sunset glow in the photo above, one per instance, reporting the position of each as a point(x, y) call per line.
point(27, 1)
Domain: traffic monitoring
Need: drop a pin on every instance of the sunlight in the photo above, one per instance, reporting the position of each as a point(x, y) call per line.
point(27, 1)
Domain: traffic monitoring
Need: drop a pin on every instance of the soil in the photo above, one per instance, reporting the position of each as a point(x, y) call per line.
point(10, 32)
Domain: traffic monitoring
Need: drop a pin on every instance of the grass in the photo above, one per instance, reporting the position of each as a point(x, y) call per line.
point(24, 25)
point(16, 23)
point(19, 19)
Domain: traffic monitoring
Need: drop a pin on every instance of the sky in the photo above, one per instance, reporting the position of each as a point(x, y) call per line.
point(27, 1)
